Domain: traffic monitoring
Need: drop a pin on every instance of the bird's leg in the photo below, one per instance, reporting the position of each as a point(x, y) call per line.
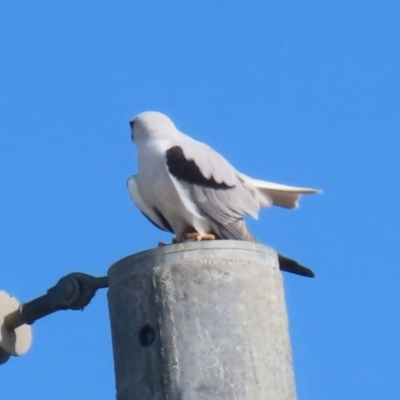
point(199, 236)
point(161, 244)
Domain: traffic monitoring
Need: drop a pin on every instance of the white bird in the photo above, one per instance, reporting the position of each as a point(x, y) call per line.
point(185, 187)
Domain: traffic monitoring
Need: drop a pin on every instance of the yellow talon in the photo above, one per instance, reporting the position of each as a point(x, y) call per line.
point(192, 236)
point(199, 236)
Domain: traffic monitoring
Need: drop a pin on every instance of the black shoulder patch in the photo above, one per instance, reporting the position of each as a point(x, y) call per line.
point(188, 171)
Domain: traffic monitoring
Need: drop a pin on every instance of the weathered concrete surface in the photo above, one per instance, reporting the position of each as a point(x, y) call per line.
point(200, 320)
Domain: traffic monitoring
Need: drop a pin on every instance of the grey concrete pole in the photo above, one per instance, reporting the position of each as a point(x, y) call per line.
point(200, 320)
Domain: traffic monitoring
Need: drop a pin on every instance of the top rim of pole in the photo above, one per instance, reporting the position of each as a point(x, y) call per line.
point(193, 246)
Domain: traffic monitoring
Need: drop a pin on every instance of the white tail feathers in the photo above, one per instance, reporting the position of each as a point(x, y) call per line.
point(280, 195)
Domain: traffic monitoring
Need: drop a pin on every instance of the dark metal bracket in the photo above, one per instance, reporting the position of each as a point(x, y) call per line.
point(72, 292)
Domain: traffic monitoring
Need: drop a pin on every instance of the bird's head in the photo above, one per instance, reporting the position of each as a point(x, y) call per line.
point(151, 124)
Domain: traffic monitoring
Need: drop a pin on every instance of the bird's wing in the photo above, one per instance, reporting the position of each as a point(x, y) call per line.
point(280, 195)
point(151, 213)
point(212, 183)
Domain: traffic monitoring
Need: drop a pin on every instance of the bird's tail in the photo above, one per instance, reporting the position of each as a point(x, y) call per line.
point(277, 194)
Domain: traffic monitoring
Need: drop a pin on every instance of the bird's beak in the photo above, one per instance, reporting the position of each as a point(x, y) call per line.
point(132, 124)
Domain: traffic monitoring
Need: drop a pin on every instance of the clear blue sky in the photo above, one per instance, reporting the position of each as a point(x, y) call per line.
point(298, 92)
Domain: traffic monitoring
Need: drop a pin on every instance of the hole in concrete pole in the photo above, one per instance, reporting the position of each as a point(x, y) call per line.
point(147, 335)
